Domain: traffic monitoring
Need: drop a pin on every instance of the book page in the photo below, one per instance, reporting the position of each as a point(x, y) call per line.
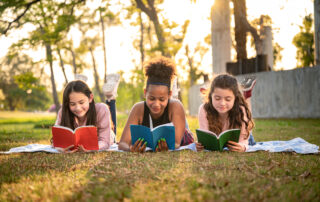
point(88, 126)
point(229, 135)
point(63, 127)
point(209, 132)
point(87, 137)
point(166, 131)
point(208, 140)
point(139, 131)
point(62, 137)
point(166, 124)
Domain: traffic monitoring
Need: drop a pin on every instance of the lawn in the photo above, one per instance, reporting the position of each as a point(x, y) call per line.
point(169, 176)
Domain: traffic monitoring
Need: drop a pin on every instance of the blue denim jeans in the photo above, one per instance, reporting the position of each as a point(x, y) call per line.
point(251, 140)
point(113, 112)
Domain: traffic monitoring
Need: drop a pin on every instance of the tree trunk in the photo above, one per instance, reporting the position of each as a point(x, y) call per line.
point(104, 48)
point(190, 63)
point(220, 36)
point(12, 106)
point(54, 91)
point(141, 40)
point(96, 77)
point(317, 31)
point(73, 61)
point(240, 12)
point(151, 12)
point(242, 26)
point(62, 66)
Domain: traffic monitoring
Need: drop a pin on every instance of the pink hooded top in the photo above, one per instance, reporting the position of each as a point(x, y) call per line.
point(105, 134)
point(204, 124)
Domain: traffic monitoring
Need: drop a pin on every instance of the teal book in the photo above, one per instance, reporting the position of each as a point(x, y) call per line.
point(214, 142)
point(152, 136)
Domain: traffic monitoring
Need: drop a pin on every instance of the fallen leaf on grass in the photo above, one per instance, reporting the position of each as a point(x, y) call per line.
point(305, 174)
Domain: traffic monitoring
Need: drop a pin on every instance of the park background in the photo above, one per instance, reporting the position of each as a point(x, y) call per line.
point(41, 38)
point(79, 46)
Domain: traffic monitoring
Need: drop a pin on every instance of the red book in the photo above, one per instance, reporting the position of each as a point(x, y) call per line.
point(86, 136)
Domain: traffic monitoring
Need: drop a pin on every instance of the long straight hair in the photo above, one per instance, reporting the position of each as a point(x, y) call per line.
point(235, 115)
point(67, 117)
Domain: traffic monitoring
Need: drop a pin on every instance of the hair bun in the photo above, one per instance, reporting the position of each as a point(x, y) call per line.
point(161, 69)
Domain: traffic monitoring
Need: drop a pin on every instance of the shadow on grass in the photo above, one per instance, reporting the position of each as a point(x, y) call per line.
point(22, 134)
point(255, 176)
point(13, 167)
point(115, 176)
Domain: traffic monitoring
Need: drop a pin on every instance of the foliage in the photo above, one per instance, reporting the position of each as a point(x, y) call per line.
point(130, 92)
point(194, 62)
point(277, 56)
point(51, 22)
point(304, 42)
point(170, 176)
point(34, 95)
point(265, 20)
point(160, 36)
point(44, 124)
point(21, 87)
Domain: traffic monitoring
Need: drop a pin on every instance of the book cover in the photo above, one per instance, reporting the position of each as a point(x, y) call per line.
point(84, 135)
point(214, 142)
point(166, 131)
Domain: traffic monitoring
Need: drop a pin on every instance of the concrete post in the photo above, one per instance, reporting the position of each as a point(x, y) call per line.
point(220, 36)
point(317, 31)
point(267, 47)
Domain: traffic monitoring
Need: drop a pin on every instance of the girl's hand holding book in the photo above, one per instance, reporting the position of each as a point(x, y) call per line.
point(67, 149)
point(138, 146)
point(162, 145)
point(71, 149)
point(82, 149)
point(234, 146)
point(199, 146)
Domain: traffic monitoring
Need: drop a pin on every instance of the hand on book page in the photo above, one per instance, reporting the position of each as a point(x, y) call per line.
point(139, 146)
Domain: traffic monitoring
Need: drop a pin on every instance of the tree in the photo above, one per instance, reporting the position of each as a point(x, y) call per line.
point(304, 42)
point(20, 83)
point(242, 26)
point(167, 43)
point(263, 21)
point(195, 58)
point(35, 96)
point(90, 44)
point(51, 20)
point(130, 92)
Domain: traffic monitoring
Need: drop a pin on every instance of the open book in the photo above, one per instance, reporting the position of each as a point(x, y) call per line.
point(214, 142)
point(84, 135)
point(152, 136)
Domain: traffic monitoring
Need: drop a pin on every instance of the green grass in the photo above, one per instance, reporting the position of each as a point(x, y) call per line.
point(170, 176)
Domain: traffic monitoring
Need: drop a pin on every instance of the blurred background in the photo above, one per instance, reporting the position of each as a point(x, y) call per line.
point(45, 43)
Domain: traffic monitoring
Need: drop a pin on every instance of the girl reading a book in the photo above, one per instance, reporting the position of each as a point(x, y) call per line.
point(158, 108)
point(226, 108)
point(79, 109)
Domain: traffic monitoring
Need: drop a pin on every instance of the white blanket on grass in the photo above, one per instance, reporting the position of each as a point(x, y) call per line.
point(297, 145)
point(50, 149)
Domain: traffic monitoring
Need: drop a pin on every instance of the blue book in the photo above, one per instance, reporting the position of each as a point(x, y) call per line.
point(152, 136)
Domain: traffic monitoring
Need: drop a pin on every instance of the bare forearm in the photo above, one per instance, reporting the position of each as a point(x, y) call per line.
point(124, 146)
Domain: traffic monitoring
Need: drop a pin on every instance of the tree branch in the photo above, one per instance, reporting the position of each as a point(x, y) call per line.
point(143, 7)
point(27, 7)
point(256, 38)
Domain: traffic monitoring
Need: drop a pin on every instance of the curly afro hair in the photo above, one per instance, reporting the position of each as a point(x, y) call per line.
point(160, 70)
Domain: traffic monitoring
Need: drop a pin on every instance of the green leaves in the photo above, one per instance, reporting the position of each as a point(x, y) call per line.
point(304, 41)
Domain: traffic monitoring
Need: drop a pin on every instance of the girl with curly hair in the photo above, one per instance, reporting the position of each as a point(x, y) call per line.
point(158, 108)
